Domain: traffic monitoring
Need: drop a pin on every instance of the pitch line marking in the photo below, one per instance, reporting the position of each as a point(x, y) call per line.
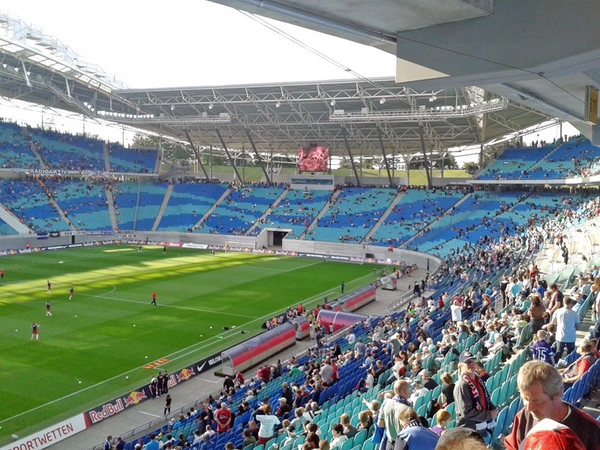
point(186, 308)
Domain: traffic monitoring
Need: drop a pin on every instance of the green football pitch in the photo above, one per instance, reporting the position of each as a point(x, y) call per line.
point(109, 330)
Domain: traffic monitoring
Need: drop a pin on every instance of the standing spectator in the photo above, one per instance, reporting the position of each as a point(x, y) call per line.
point(541, 388)
point(456, 311)
point(474, 408)
point(536, 312)
point(556, 299)
point(267, 425)
point(390, 410)
point(107, 445)
point(360, 348)
point(120, 444)
point(223, 418)
point(566, 321)
point(327, 372)
point(167, 405)
point(287, 393)
point(206, 417)
point(159, 380)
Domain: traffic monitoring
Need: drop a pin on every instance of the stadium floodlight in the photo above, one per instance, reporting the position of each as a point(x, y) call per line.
point(163, 119)
point(420, 114)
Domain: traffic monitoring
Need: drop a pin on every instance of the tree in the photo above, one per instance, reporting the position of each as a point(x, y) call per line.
point(173, 150)
point(470, 167)
point(447, 162)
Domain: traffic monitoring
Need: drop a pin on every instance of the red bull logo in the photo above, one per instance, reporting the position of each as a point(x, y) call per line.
point(134, 398)
point(185, 375)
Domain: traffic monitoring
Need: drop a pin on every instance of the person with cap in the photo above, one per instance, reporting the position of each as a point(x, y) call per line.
point(428, 382)
point(284, 409)
point(474, 407)
point(541, 388)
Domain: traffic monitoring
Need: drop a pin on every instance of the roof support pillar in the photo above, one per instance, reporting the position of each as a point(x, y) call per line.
point(195, 150)
point(358, 183)
point(258, 156)
point(385, 160)
point(425, 160)
point(231, 161)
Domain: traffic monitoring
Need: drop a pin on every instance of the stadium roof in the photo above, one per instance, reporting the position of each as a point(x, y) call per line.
point(364, 113)
point(539, 53)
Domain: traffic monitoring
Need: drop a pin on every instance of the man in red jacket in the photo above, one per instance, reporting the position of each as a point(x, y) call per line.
point(223, 418)
point(541, 388)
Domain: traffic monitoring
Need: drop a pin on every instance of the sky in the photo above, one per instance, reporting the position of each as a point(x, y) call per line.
point(189, 43)
point(192, 43)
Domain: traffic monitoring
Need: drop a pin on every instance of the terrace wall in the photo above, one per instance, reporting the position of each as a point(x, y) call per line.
point(409, 257)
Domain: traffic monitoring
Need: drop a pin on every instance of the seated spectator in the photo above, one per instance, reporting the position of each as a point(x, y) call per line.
point(337, 431)
point(248, 438)
point(284, 409)
point(576, 369)
point(290, 436)
point(413, 433)
point(443, 419)
point(541, 350)
point(349, 430)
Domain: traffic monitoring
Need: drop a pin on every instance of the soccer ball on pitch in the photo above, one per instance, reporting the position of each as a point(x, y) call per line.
point(211, 327)
point(127, 377)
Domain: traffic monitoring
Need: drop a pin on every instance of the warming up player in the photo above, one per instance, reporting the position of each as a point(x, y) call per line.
point(34, 331)
point(153, 302)
point(49, 287)
point(71, 291)
point(48, 313)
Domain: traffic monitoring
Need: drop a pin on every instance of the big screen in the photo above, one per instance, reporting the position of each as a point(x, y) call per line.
point(313, 158)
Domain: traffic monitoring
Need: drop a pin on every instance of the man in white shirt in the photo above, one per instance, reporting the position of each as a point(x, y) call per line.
point(456, 311)
point(566, 321)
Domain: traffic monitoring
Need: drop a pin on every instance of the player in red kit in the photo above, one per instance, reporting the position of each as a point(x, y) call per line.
point(34, 331)
point(153, 302)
